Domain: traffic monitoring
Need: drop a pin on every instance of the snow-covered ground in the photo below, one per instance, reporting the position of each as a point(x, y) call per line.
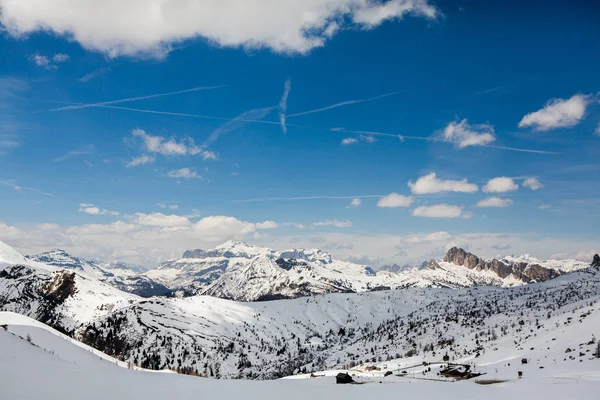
point(53, 367)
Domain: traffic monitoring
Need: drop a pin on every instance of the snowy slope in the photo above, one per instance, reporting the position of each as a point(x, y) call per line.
point(32, 371)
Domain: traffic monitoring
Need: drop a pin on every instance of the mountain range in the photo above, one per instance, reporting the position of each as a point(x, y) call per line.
point(238, 271)
point(218, 337)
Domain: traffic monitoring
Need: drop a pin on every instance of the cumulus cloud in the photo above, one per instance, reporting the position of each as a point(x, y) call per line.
point(334, 222)
point(494, 202)
point(430, 184)
point(500, 184)
point(355, 203)
point(395, 200)
point(557, 113)
point(438, 211)
point(349, 140)
point(159, 219)
point(167, 147)
point(462, 134)
point(151, 26)
point(93, 210)
point(223, 226)
point(184, 173)
point(532, 183)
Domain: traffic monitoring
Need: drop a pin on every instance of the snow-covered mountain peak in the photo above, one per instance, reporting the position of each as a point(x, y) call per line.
point(8, 255)
point(312, 255)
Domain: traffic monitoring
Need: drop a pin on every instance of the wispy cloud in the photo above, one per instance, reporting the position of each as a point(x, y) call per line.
point(184, 173)
point(334, 222)
point(93, 210)
point(61, 58)
point(81, 151)
point(130, 99)
point(533, 184)
point(494, 202)
point(20, 188)
point(239, 121)
point(283, 104)
point(141, 160)
point(356, 202)
point(438, 211)
point(342, 104)
point(94, 74)
point(12, 122)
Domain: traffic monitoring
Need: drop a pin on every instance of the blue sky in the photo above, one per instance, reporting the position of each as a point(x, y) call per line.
point(466, 91)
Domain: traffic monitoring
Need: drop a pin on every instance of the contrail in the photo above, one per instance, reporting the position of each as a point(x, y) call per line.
point(342, 104)
point(19, 188)
point(521, 150)
point(152, 96)
point(283, 104)
point(306, 198)
point(256, 121)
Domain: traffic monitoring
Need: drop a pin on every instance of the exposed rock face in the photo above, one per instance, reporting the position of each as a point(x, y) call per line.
point(522, 271)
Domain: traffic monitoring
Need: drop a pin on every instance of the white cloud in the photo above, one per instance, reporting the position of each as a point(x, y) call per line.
point(41, 60)
point(334, 222)
point(152, 26)
point(141, 160)
point(369, 138)
point(150, 245)
point(430, 184)
point(494, 202)
point(93, 210)
point(557, 113)
point(462, 135)
point(221, 227)
point(294, 225)
point(171, 147)
point(159, 219)
point(544, 206)
point(532, 183)
point(597, 131)
point(185, 173)
point(394, 200)
point(467, 215)
point(283, 104)
point(438, 211)
point(60, 58)
point(355, 203)
point(81, 151)
point(267, 225)
point(500, 184)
